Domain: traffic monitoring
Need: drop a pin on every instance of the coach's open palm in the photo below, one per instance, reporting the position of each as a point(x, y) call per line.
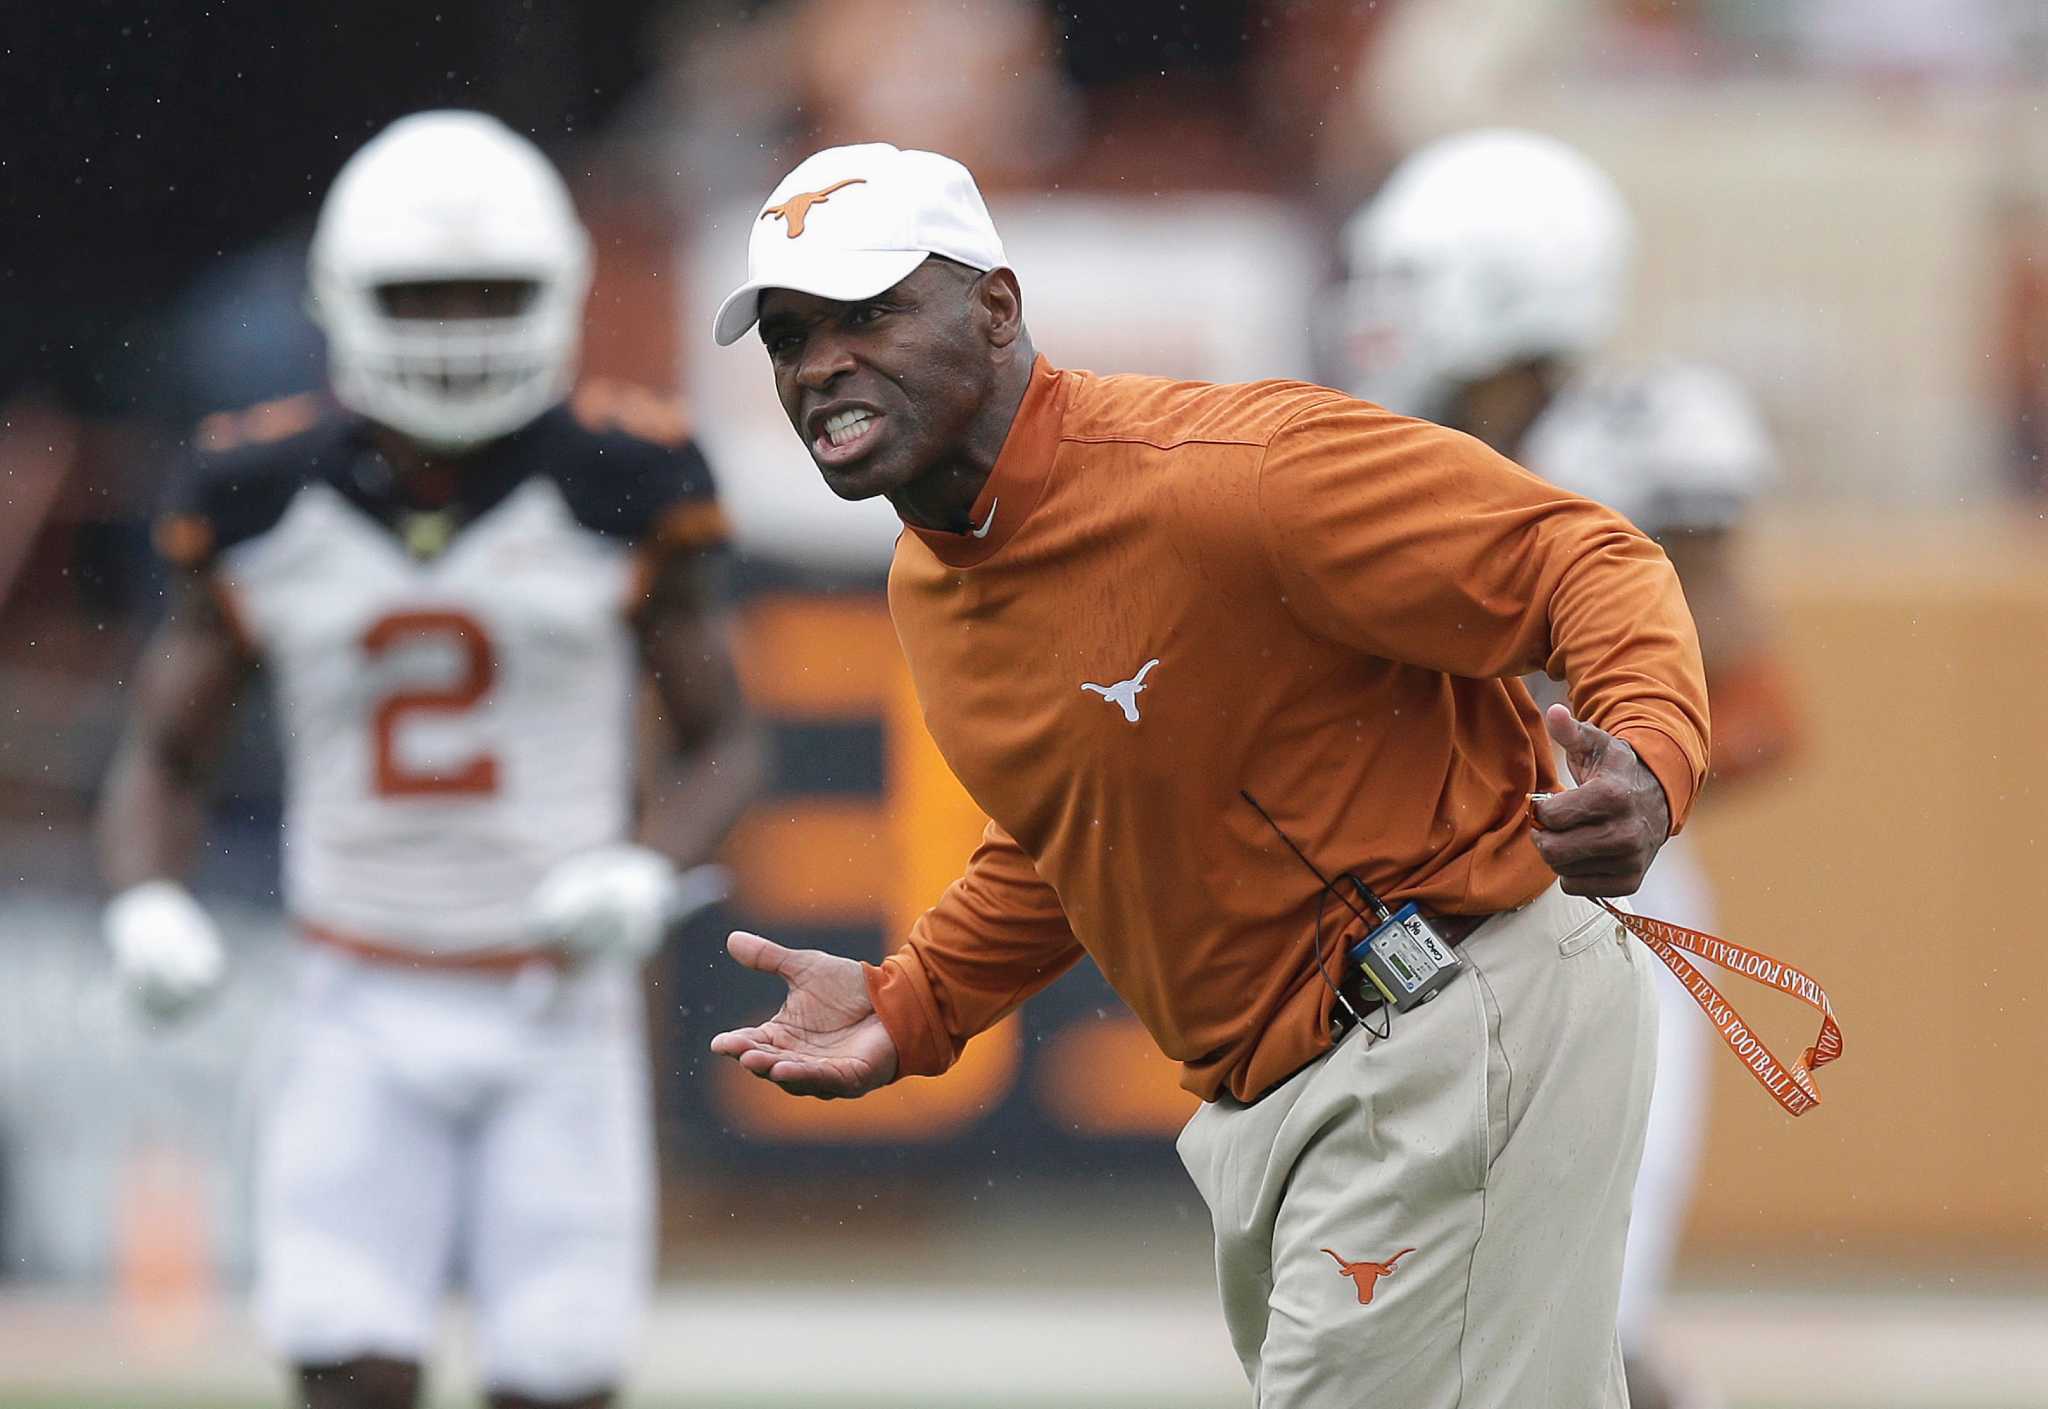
point(827, 1040)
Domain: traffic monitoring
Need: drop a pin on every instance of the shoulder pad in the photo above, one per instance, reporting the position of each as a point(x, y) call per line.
point(1673, 448)
point(624, 460)
point(242, 471)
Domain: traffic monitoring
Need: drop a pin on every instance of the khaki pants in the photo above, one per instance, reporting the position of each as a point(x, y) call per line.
point(1436, 1219)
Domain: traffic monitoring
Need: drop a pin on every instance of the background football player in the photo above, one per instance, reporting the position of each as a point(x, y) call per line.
point(1484, 273)
point(457, 580)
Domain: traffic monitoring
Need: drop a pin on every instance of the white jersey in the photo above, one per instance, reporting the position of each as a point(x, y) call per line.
point(1672, 448)
point(455, 687)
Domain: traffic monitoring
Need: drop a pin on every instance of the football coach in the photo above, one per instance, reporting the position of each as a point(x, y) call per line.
point(1233, 671)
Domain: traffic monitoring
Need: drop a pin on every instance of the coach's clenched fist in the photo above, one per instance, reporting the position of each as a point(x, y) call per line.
point(1601, 836)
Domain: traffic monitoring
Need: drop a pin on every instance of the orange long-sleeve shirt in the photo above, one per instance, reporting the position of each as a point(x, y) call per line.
point(1184, 590)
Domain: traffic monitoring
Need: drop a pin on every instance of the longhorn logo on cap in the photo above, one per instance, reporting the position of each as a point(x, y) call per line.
point(793, 210)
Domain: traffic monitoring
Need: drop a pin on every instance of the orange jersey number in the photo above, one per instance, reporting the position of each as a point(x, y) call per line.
point(479, 776)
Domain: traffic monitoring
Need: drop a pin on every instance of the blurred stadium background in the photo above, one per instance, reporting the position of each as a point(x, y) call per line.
point(1844, 201)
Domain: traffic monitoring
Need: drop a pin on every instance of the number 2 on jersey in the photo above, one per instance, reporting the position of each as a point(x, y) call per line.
point(478, 776)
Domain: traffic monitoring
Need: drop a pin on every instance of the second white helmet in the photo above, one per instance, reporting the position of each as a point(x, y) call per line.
point(1481, 250)
point(439, 197)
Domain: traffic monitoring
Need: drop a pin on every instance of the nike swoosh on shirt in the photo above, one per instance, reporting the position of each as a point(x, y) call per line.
point(989, 522)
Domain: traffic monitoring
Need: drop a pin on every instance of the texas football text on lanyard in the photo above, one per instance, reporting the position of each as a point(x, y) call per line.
point(1790, 1086)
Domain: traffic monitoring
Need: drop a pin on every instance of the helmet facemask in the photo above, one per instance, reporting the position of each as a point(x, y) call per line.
point(1393, 350)
point(467, 372)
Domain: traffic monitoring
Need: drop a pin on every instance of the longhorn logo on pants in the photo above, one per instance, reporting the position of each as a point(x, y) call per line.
point(1367, 1274)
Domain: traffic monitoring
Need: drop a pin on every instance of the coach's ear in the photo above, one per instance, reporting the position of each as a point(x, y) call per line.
point(1002, 306)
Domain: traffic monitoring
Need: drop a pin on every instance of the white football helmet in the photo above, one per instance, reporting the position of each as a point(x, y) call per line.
point(1480, 251)
point(444, 196)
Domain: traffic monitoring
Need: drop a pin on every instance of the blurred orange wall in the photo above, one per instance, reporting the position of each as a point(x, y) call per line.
point(1903, 860)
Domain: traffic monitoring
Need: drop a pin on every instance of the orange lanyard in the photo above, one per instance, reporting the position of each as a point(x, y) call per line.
point(1790, 1086)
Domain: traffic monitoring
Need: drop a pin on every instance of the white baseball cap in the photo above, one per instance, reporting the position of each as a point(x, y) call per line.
point(849, 222)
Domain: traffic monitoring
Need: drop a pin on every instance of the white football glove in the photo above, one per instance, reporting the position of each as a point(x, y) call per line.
point(168, 953)
point(618, 899)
